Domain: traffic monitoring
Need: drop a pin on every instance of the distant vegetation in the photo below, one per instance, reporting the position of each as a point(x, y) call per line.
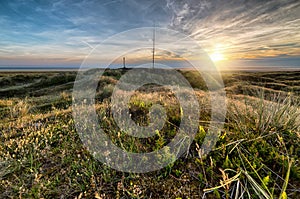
point(257, 155)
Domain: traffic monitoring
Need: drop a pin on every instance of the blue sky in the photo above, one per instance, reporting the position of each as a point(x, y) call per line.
point(63, 32)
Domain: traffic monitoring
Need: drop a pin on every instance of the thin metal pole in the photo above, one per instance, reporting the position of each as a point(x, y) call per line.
point(124, 62)
point(153, 52)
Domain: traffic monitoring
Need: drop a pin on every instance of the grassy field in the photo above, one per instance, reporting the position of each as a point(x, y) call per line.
point(257, 155)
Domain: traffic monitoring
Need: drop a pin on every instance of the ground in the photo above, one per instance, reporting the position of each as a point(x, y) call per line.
point(257, 155)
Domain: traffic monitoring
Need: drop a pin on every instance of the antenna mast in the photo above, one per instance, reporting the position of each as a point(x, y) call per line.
point(124, 66)
point(153, 51)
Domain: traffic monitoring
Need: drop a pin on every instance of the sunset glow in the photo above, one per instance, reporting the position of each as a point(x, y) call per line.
point(216, 56)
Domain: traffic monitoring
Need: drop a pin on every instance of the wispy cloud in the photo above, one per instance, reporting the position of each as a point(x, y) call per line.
point(65, 31)
point(244, 29)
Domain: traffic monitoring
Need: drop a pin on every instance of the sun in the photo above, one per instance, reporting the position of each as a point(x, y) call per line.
point(216, 56)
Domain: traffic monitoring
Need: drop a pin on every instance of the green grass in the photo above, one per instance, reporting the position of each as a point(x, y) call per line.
point(257, 155)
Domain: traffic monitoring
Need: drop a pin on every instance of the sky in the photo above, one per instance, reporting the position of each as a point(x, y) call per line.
point(235, 33)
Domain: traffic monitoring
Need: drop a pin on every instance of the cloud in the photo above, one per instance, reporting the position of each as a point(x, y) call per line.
point(240, 26)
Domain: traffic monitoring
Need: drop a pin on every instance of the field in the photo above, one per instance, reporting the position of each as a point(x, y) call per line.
point(256, 156)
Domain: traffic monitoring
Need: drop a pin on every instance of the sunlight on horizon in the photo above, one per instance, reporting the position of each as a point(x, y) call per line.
point(217, 56)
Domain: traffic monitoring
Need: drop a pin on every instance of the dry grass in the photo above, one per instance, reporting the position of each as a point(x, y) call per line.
point(257, 155)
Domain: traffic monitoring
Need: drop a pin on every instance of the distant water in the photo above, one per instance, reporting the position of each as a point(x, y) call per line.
point(36, 68)
point(69, 68)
